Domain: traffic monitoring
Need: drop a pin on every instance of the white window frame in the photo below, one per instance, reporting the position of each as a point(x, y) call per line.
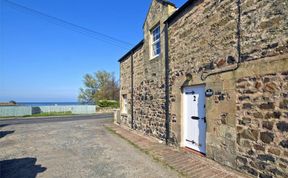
point(124, 104)
point(155, 40)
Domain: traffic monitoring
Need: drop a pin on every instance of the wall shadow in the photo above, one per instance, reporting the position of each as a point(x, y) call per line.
point(19, 168)
point(4, 133)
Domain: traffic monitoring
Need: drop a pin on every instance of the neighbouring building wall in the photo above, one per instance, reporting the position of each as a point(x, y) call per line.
point(149, 83)
point(204, 38)
point(149, 76)
point(139, 97)
point(125, 91)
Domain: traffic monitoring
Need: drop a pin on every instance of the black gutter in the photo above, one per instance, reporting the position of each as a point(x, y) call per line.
point(179, 11)
point(167, 97)
point(131, 51)
point(132, 89)
point(169, 2)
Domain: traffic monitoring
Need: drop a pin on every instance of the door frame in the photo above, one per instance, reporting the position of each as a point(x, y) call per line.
point(183, 122)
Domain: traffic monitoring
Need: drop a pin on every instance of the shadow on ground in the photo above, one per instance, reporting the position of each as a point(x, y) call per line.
point(4, 133)
point(3, 125)
point(20, 168)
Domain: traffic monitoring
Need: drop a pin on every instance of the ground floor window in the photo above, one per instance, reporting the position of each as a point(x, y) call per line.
point(124, 104)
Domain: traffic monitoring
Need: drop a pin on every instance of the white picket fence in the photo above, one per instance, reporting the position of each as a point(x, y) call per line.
point(10, 111)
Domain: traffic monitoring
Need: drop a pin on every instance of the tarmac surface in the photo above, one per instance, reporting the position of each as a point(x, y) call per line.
point(69, 147)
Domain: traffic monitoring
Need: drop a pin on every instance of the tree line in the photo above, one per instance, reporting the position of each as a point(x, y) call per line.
point(100, 86)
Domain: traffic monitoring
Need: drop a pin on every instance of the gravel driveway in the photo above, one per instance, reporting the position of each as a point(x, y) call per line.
point(72, 149)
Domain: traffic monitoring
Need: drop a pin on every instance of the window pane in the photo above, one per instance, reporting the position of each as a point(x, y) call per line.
point(158, 47)
point(155, 36)
point(158, 44)
point(158, 36)
point(158, 51)
point(157, 30)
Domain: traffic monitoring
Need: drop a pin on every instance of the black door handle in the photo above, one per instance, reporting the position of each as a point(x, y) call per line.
point(204, 118)
point(195, 118)
point(194, 143)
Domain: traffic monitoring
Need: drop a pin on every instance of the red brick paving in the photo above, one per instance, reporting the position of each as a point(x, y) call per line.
point(185, 162)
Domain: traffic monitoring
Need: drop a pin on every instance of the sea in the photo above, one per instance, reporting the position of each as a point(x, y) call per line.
point(48, 103)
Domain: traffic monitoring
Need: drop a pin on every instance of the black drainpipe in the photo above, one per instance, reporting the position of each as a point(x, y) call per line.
point(238, 46)
point(239, 33)
point(132, 90)
point(167, 117)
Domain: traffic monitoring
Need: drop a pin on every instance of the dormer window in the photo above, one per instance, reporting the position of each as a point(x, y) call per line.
point(155, 42)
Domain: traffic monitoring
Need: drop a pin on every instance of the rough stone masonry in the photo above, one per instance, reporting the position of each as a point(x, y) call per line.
point(237, 48)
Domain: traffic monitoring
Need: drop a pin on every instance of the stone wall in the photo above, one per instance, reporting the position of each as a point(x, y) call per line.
point(125, 89)
point(204, 38)
point(262, 124)
point(149, 111)
point(264, 28)
point(148, 77)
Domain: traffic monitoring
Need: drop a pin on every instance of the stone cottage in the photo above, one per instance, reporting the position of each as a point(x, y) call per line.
point(212, 76)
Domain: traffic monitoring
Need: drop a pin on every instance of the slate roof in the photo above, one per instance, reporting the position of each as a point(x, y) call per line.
point(131, 51)
point(180, 10)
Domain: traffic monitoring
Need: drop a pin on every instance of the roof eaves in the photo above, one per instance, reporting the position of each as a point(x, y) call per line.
point(179, 11)
point(131, 51)
point(169, 2)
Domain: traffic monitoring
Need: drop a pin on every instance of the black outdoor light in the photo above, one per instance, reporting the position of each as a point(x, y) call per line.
point(209, 93)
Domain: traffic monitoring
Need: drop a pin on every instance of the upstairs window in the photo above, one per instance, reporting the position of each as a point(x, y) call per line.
point(155, 45)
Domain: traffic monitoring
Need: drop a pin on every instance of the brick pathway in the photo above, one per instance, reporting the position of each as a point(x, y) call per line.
point(188, 164)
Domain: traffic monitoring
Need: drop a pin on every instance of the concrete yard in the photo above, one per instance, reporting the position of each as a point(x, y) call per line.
point(75, 147)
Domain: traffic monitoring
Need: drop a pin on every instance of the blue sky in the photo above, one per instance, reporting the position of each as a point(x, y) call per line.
point(43, 60)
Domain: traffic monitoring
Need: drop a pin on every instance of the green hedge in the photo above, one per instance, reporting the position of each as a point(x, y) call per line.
point(108, 104)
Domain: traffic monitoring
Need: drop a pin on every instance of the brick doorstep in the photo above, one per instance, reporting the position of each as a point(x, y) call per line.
point(188, 164)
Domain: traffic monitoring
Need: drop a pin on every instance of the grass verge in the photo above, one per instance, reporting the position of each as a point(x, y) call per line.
point(44, 114)
point(68, 113)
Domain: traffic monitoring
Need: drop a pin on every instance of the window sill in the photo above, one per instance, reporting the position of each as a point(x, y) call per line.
point(154, 57)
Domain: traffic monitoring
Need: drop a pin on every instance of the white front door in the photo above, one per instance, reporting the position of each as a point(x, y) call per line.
point(194, 118)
